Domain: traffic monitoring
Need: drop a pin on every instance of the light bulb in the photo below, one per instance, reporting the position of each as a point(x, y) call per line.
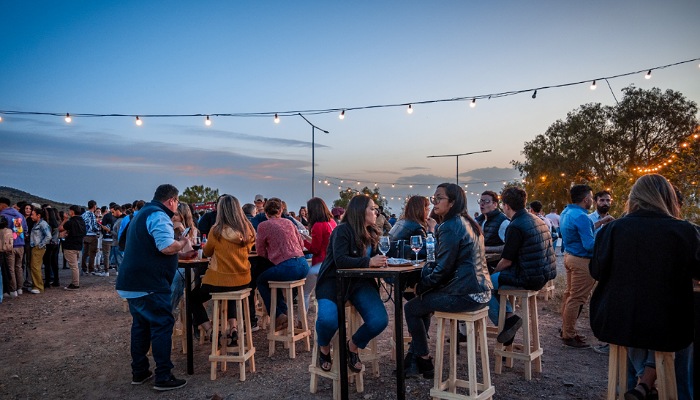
point(277, 119)
point(0, 118)
point(410, 109)
point(534, 95)
point(411, 186)
point(207, 121)
point(593, 85)
point(68, 118)
point(648, 75)
point(342, 115)
point(473, 103)
point(138, 121)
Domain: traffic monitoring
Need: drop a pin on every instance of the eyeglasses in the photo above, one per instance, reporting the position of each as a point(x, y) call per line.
point(482, 201)
point(436, 199)
point(177, 201)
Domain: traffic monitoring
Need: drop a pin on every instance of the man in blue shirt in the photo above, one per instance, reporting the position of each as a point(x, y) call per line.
point(600, 217)
point(578, 239)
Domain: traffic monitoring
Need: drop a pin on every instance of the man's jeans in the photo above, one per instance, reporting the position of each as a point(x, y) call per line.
point(289, 270)
point(89, 253)
point(152, 326)
point(579, 284)
point(367, 302)
point(494, 303)
point(638, 359)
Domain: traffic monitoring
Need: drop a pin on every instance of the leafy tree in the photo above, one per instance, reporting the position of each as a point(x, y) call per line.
point(608, 147)
point(349, 193)
point(199, 194)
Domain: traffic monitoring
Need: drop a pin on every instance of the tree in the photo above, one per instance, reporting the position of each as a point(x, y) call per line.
point(349, 193)
point(608, 147)
point(199, 194)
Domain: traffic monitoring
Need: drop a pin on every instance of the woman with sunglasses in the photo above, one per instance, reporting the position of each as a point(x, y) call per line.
point(456, 281)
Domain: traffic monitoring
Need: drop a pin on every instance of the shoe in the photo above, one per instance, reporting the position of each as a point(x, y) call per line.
point(13, 294)
point(325, 359)
point(233, 339)
point(353, 358)
point(602, 349)
point(19, 291)
point(640, 392)
point(425, 367)
point(93, 273)
point(281, 322)
point(55, 284)
point(5, 295)
point(410, 366)
point(141, 378)
point(561, 335)
point(509, 343)
point(35, 291)
point(255, 327)
point(512, 324)
point(170, 384)
point(72, 287)
point(576, 342)
point(65, 268)
point(461, 338)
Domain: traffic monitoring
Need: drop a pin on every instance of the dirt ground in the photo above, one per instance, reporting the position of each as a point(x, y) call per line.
point(67, 345)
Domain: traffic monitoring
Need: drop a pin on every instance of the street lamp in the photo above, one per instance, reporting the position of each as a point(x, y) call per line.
point(313, 153)
point(457, 157)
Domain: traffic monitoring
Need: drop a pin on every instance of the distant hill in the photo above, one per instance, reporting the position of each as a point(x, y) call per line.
point(16, 195)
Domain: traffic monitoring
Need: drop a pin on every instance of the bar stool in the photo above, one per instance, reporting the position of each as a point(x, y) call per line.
point(476, 333)
point(245, 349)
point(369, 355)
point(292, 334)
point(334, 374)
point(617, 374)
point(547, 292)
point(531, 350)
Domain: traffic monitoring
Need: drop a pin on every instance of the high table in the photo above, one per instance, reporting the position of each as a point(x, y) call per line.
point(399, 274)
point(189, 265)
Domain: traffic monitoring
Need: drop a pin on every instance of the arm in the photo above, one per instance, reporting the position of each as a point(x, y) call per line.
point(208, 248)
point(503, 264)
point(318, 231)
point(585, 229)
point(161, 228)
point(46, 235)
point(445, 264)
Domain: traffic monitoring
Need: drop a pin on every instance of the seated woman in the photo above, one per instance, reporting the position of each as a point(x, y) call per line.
point(182, 220)
point(230, 240)
point(644, 263)
point(353, 244)
point(414, 221)
point(280, 242)
point(457, 281)
point(322, 224)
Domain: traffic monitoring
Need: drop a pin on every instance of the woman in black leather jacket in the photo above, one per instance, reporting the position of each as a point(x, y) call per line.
point(457, 281)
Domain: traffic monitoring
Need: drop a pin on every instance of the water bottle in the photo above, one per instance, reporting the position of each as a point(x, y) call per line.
point(430, 247)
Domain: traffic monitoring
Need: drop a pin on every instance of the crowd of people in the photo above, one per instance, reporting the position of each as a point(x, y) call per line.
point(644, 263)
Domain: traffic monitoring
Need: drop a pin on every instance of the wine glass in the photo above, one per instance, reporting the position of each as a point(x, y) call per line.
point(384, 244)
point(416, 245)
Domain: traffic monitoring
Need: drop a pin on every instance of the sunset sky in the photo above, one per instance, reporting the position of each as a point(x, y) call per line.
point(224, 57)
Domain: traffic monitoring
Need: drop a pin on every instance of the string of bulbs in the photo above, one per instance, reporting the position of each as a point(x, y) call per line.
point(138, 118)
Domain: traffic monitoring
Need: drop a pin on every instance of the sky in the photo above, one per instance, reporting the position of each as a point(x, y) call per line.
point(224, 57)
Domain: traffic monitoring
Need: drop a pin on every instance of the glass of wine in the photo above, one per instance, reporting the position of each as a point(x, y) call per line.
point(416, 245)
point(384, 245)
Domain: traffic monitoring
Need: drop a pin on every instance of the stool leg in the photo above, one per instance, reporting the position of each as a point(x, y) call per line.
point(214, 342)
point(485, 367)
point(501, 323)
point(273, 320)
point(471, 359)
point(249, 336)
point(439, 351)
point(454, 345)
point(535, 329)
point(241, 338)
point(666, 375)
point(617, 372)
point(223, 321)
point(290, 323)
point(304, 319)
point(527, 346)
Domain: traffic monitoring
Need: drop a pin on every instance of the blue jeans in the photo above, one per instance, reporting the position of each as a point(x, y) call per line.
point(288, 270)
point(177, 289)
point(640, 358)
point(366, 300)
point(494, 304)
point(152, 326)
point(421, 307)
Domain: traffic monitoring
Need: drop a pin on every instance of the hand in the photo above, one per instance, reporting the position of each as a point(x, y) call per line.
point(431, 224)
point(187, 255)
point(608, 218)
point(377, 261)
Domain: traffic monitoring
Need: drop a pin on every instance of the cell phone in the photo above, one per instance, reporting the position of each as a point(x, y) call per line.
point(187, 230)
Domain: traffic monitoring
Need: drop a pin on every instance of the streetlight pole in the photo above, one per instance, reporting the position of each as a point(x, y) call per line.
point(457, 157)
point(313, 153)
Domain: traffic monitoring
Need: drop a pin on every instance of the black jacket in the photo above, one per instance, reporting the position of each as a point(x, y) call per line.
point(494, 219)
point(76, 232)
point(644, 263)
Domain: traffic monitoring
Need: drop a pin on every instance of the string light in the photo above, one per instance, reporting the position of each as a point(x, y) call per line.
point(207, 121)
point(534, 95)
point(473, 103)
point(138, 121)
point(410, 109)
point(593, 85)
point(342, 115)
point(277, 119)
point(68, 118)
point(648, 75)
point(0, 118)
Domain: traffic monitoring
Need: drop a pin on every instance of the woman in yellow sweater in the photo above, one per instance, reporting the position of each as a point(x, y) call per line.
point(229, 242)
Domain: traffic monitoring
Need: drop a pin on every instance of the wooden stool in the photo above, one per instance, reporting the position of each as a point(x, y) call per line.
point(245, 349)
point(334, 373)
point(125, 305)
point(617, 374)
point(369, 355)
point(261, 312)
point(290, 335)
point(531, 350)
point(547, 292)
point(476, 333)
point(179, 328)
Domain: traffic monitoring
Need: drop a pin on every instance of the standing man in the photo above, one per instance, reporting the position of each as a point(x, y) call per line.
point(146, 274)
point(18, 226)
point(553, 217)
point(494, 224)
point(117, 254)
point(259, 204)
point(107, 226)
point(90, 239)
point(72, 230)
point(527, 260)
point(600, 217)
point(578, 239)
point(536, 210)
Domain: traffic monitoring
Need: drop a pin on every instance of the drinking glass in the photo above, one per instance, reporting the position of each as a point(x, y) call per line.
point(416, 245)
point(384, 244)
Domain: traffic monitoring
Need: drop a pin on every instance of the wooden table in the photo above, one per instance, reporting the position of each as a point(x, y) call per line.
point(400, 275)
point(189, 265)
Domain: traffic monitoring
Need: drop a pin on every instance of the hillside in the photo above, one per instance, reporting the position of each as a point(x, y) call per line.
point(16, 195)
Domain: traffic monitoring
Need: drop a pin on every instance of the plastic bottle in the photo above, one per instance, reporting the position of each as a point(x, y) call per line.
point(430, 247)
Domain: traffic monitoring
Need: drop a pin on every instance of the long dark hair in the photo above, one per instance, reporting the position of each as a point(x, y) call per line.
point(456, 194)
point(317, 211)
point(415, 209)
point(355, 217)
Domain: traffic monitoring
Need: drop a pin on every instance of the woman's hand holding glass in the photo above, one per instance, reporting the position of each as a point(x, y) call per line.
point(378, 261)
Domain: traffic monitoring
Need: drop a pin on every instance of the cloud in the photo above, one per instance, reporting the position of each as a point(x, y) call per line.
point(491, 174)
point(230, 135)
point(415, 168)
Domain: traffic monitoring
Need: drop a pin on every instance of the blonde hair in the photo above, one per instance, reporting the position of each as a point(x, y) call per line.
point(230, 214)
point(653, 192)
point(186, 215)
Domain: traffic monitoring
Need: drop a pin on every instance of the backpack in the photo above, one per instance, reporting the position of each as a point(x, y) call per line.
point(6, 240)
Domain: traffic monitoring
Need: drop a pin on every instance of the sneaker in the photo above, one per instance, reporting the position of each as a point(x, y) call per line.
point(19, 291)
point(55, 284)
point(72, 287)
point(5, 295)
point(35, 291)
point(170, 384)
point(576, 342)
point(512, 324)
point(141, 378)
point(602, 349)
point(13, 294)
point(255, 327)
